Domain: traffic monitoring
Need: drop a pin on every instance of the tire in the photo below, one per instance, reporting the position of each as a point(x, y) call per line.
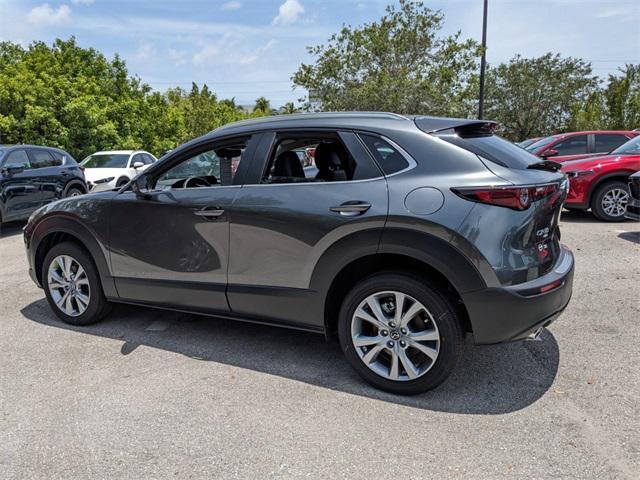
point(438, 312)
point(88, 285)
point(609, 201)
point(74, 191)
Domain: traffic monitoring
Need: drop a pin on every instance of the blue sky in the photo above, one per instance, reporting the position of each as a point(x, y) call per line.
point(248, 48)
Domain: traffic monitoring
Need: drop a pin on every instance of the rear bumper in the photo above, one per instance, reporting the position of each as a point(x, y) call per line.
point(511, 313)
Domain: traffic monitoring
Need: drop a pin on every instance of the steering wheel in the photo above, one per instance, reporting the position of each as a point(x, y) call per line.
point(197, 182)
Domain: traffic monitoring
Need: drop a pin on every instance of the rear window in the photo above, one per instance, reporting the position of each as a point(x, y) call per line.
point(490, 147)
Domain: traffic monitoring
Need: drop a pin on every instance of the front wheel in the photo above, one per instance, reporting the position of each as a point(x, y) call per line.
point(610, 201)
point(400, 334)
point(72, 285)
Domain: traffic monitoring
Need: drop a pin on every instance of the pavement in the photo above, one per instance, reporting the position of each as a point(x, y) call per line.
point(153, 394)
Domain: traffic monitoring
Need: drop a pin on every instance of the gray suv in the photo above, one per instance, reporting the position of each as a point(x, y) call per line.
point(409, 232)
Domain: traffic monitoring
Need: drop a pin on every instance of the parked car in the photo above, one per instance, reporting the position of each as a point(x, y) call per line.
point(32, 176)
point(601, 183)
point(527, 142)
point(414, 231)
point(633, 205)
point(576, 145)
point(114, 169)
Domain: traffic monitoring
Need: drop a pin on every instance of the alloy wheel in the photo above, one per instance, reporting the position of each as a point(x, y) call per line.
point(395, 336)
point(68, 285)
point(614, 202)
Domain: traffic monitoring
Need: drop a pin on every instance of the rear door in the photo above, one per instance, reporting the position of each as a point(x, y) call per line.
point(286, 217)
point(47, 175)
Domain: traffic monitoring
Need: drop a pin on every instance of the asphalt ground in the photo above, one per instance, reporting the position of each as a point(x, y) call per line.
point(153, 394)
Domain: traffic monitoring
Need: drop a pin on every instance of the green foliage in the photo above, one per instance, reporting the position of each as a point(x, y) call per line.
point(536, 96)
point(66, 96)
point(398, 63)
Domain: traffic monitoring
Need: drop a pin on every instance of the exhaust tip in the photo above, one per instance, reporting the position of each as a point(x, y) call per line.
point(535, 335)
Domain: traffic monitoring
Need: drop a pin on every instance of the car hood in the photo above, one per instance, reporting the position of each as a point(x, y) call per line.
point(70, 205)
point(93, 174)
point(593, 162)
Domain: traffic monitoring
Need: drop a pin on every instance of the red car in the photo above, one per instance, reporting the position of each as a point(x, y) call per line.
point(601, 182)
point(575, 145)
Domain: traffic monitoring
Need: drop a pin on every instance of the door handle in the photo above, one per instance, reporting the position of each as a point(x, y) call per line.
point(209, 213)
point(352, 208)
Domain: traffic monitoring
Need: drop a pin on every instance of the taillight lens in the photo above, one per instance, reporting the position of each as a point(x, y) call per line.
point(516, 198)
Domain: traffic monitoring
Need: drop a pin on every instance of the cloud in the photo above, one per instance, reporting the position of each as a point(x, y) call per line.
point(178, 56)
point(232, 5)
point(47, 15)
point(82, 2)
point(205, 54)
point(288, 12)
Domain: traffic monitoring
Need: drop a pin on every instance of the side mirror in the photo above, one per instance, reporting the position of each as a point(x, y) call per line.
point(137, 165)
point(140, 186)
point(549, 153)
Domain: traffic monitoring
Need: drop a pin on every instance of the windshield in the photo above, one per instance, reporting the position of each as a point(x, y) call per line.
point(535, 146)
point(106, 160)
point(632, 147)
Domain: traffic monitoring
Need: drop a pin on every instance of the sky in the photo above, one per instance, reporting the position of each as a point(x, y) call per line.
point(250, 48)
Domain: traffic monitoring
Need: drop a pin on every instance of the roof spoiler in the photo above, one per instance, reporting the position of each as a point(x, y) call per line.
point(462, 126)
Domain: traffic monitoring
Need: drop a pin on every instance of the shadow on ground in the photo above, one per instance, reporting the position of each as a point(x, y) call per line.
point(633, 237)
point(489, 380)
point(10, 229)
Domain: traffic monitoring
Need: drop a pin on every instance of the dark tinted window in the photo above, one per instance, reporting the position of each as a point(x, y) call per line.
point(147, 159)
point(607, 142)
point(18, 157)
point(389, 159)
point(106, 160)
point(493, 148)
point(60, 156)
point(42, 158)
point(538, 144)
point(571, 146)
point(316, 157)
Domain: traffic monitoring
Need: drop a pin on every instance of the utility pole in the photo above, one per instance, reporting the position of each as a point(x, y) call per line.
point(483, 60)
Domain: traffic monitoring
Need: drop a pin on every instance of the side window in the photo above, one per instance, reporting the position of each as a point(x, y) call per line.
point(138, 157)
point(18, 157)
point(389, 159)
point(41, 158)
point(59, 157)
point(607, 142)
point(147, 159)
point(308, 157)
point(214, 167)
point(571, 146)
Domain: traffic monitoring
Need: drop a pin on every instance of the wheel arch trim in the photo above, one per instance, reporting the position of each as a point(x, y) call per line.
point(57, 224)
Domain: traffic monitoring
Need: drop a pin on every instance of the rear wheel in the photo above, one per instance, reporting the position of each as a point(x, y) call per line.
point(610, 201)
point(400, 334)
point(72, 285)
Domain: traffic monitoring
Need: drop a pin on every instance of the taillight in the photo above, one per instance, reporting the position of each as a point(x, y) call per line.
point(516, 198)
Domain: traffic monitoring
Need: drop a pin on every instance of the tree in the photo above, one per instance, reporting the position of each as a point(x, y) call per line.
point(288, 108)
point(399, 63)
point(74, 98)
point(622, 99)
point(262, 106)
point(536, 96)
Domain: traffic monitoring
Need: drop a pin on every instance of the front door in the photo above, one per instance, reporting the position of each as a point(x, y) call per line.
point(19, 190)
point(170, 245)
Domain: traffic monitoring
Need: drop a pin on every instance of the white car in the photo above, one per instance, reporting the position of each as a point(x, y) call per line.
point(113, 169)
